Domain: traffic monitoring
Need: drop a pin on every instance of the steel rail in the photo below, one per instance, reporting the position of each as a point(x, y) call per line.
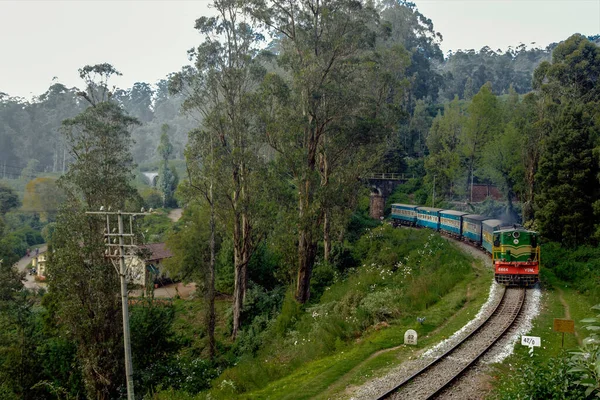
point(456, 346)
point(474, 360)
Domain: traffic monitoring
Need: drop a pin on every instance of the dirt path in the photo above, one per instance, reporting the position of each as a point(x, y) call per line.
point(567, 311)
point(175, 214)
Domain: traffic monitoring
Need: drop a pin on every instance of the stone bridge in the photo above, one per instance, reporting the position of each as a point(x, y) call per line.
point(382, 185)
point(151, 177)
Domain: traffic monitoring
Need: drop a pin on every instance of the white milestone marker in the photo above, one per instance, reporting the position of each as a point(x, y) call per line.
point(410, 337)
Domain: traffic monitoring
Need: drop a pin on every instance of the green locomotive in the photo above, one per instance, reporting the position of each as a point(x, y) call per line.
point(516, 256)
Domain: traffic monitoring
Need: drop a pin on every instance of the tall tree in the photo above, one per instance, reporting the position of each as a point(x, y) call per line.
point(483, 123)
point(220, 90)
point(443, 142)
point(82, 281)
point(327, 92)
point(415, 32)
point(568, 179)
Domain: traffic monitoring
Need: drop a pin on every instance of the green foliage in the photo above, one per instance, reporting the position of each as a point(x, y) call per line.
point(152, 198)
point(189, 243)
point(153, 342)
point(43, 196)
point(8, 199)
point(82, 283)
point(155, 227)
point(586, 361)
point(323, 276)
point(443, 160)
point(19, 337)
point(466, 70)
point(167, 176)
point(567, 179)
point(419, 271)
point(568, 168)
point(580, 266)
point(291, 311)
point(538, 380)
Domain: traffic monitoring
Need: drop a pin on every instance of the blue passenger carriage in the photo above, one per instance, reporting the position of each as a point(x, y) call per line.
point(428, 217)
point(471, 229)
point(405, 214)
point(451, 222)
point(488, 227)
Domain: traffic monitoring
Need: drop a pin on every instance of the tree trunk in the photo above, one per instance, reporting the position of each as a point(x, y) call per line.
point(324, 167)
point(326, 235)
point(306, 251)
point(238, 292)
point(211, 320)
point(246, 252)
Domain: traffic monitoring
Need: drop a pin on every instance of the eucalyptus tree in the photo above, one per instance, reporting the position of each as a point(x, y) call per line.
point(220, 89)
point(443, 142)
point(325, 109)
point(406, 26)
point(82, 281)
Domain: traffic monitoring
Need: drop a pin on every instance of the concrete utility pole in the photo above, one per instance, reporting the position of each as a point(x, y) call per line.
point(120, 254)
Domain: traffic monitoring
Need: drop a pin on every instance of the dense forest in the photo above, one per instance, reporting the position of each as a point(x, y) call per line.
point(265, 142)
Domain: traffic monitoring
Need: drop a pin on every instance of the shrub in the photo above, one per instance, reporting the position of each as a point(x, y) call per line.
point(586, 361)
point(535, 380)
point(291, 311)
point(322, 276)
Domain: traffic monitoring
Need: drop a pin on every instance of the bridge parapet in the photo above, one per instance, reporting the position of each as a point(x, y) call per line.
point(392, 176)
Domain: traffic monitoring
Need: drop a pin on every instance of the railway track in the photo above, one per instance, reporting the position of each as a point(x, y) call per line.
point(441, 373)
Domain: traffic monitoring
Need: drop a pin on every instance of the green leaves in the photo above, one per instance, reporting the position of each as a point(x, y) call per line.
point(586, 361)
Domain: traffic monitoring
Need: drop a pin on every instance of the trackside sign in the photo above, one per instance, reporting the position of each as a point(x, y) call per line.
point(531, 341)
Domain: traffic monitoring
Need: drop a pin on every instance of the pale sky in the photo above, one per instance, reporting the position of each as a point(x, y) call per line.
point(146, 40)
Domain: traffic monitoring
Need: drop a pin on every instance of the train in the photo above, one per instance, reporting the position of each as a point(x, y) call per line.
point(514, 250)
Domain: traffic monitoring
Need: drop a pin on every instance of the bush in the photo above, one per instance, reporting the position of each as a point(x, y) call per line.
point(291, 311)
point(586, 360)
point(322, 276)
point(535, 380)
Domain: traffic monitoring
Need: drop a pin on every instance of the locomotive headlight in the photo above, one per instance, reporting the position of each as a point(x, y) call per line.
point(516, 235)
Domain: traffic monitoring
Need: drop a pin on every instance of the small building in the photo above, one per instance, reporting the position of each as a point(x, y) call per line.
point(39, 263)
point(147, 266)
